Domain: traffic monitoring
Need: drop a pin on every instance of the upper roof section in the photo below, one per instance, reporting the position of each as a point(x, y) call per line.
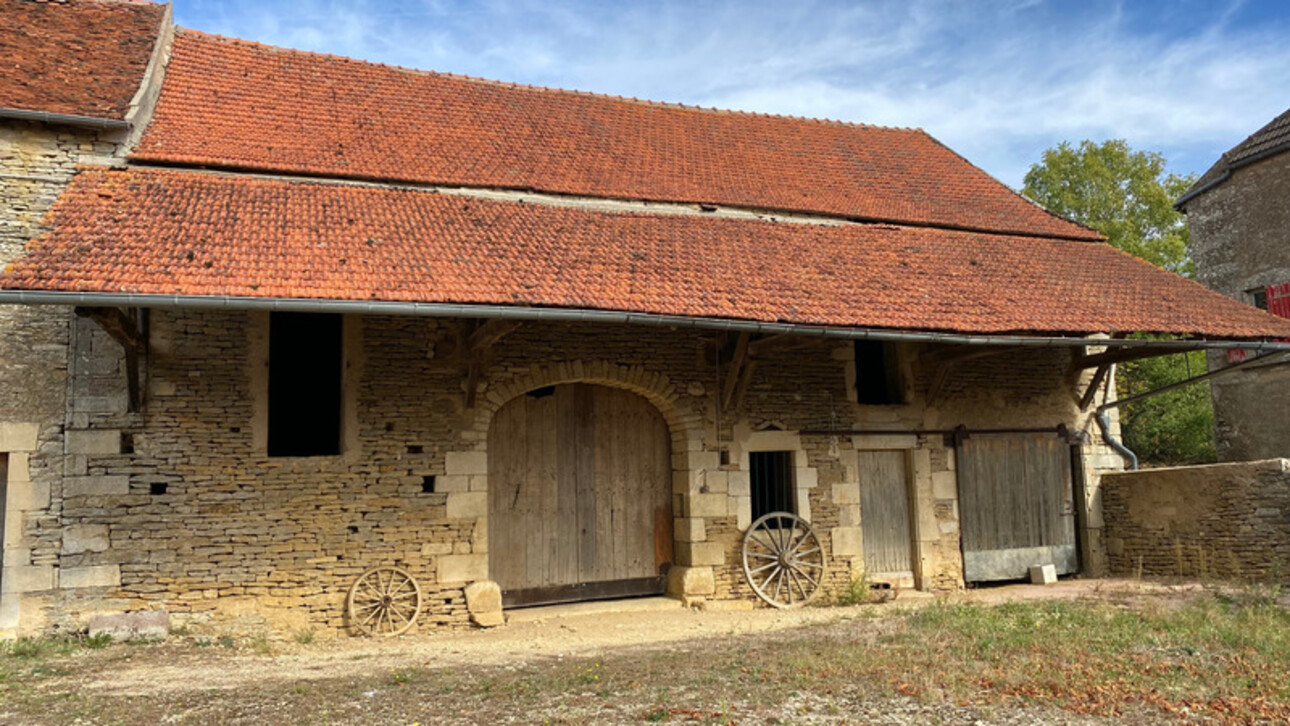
point(239, 105)
point(1271, 139)
point(178, 232)
point(75, 57)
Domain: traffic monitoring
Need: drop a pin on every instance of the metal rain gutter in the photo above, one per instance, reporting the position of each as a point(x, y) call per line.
point(63, 118)
point(584, 315)
point(1104, 420)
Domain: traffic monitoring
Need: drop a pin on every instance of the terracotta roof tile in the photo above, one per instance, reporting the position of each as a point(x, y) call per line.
point(199, 233)
point(234, 104)
point(1272, 139)
point(75, 57)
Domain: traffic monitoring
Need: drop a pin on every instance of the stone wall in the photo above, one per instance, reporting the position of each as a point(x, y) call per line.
point(1240, 240)
point(179, 506)
point(1227, 521)
point(36, 163)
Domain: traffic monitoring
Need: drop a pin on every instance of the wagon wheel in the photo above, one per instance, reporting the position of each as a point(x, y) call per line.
point(384, 601)
point(783, 560)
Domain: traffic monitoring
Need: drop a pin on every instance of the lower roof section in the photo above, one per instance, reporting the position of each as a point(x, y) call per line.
point(155, 232)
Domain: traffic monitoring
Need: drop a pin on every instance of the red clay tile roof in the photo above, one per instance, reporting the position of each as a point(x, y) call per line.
point(234, 104)
point(199, 233)
point(76, 57)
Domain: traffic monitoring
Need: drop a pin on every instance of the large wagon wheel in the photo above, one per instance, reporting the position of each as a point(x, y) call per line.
point(783, 560)
point(384, 601)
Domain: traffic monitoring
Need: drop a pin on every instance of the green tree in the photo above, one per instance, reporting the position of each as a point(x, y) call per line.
point(1124, 194)
point(1128, 196)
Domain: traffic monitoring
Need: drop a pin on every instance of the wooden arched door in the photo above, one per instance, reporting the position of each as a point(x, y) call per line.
point(580, 481)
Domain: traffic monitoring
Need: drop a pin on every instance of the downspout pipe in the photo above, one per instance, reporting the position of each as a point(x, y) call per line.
point(1104, 419)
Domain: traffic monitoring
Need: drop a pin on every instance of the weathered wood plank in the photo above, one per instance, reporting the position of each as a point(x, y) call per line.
point(884, 511)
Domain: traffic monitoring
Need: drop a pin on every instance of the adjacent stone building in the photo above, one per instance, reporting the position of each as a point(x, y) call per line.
point(326, 344)
point(1239, 216)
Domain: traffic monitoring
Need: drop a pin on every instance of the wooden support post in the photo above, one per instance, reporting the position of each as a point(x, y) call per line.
point(477, 346)
point(938, 382)
point(745, 380)
point(736, 363)
point(124, 329)
point(1093, 385)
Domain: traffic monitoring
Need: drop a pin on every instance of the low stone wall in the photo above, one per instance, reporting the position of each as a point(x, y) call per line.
point(1228, 521)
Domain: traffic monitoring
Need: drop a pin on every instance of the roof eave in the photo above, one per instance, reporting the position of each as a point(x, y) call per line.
point(591, 315)
point(64, 119)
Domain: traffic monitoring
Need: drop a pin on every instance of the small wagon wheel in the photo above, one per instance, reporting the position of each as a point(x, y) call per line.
point(783, 560)
point(384, 601)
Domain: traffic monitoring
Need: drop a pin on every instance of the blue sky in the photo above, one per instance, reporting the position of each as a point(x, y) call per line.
point(997, 81)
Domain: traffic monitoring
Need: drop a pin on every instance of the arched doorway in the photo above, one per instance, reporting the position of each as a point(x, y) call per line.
point(579, 495)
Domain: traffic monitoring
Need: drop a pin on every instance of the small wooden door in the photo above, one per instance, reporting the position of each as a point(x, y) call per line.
point(579, 496)
point(1016, 505)
point(884, 513)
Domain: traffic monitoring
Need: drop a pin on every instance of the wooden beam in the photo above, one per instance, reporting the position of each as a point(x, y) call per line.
point(1091, 392)
point(488, 334)
point(938, 382)
point(1123, 355)
point(745, 380)
point(124, 329)
point(736, 363)
point(960, 353)
point(118, 324)
point(473, 370)
point(772, 344)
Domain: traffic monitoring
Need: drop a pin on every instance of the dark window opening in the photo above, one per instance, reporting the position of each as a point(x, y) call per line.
point(416, 449)
point(127, 443)
point(542, 392)
point(157, 488)
point(1259, 297)
point(427, 484)
point(771, 473)
point(878, 380)
point(304, 384)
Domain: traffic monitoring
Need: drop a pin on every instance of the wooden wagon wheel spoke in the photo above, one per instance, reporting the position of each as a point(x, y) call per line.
point(384, 601)
point(786, 546)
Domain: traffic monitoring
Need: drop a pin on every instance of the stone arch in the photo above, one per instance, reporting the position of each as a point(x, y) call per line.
point(685, 425)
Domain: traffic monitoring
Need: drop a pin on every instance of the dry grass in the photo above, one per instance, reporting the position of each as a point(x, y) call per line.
point(1206, 656)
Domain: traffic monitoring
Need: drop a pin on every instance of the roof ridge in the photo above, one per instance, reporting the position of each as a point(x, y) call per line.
point(546, 89)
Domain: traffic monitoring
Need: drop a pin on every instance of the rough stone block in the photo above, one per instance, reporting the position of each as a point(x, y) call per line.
point(28, 496)
point(488, 620)
point(483, 596)
point(696, 460)
point(463, 568)
point(79, 538)
point(707, 505)
point(848, 541)
point(19, 468)
point(690, 581)
point(690, 529)
point(90, 576)
point(28, 578)
point(743, 512)
point(738, 484)
point(1043, 574)
point(93, 442)
point(18, 436)
point(807, 477)
point(457, 483)
point(697, 554)
point(716, 481)
point(466, 462)
point(467, 505)
point(144, 625)
point(93, 486)
point(846, 493)
point(945, 485)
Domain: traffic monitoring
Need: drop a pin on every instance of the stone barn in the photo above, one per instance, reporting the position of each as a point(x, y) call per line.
point(328, 344)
